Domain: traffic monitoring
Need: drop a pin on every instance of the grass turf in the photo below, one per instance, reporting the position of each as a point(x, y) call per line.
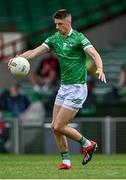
point(45, 167)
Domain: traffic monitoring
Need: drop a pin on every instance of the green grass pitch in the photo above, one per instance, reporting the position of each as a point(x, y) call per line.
point(45, 167)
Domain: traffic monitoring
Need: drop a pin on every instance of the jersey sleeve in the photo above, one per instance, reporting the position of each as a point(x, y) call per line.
point(48, 43)
point(85, 43)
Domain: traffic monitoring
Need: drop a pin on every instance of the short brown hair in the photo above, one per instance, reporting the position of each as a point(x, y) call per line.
point(61, 14)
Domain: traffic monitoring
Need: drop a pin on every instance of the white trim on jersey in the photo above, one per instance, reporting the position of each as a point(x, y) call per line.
point(71, 30)
point(46, 45)
point(88, 46)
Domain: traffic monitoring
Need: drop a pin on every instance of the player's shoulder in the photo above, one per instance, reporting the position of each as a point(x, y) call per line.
point(78, 34)
point(53, 37)
point(55, 34)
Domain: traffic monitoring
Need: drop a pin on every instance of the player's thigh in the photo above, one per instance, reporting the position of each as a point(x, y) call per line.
point(64, 116)
point(56, 110)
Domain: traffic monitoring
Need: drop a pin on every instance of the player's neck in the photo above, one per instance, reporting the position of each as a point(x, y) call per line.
point(67, 33)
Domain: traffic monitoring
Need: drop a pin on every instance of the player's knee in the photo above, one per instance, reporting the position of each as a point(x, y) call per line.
point(57, 128)
point(52, 126)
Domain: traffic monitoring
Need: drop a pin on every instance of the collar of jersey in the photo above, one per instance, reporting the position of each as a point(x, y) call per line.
point(69, 34)
point(71, 30)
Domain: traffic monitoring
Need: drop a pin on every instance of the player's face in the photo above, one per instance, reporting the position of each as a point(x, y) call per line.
point(63, 26)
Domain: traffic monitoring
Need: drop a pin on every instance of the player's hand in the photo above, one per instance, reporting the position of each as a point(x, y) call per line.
point(101, 75)
point(9, 62)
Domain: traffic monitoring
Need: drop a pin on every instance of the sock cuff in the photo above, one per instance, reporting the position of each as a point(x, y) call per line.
point(65, 155)
point(64, 152)
point(82, 140)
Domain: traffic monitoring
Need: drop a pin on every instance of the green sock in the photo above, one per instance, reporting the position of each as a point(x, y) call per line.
point(84, 142)
point(65, 155)
point(66, 158)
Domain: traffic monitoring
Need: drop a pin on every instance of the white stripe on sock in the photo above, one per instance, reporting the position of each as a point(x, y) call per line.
point(67, 162)
point(87, 143)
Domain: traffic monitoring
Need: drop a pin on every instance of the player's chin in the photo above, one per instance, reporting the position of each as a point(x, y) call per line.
point(61, 32)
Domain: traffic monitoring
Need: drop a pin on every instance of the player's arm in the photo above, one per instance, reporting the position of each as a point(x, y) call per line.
point(98, 61)
point(30, 54)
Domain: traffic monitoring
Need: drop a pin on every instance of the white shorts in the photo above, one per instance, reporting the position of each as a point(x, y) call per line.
point(71, 96)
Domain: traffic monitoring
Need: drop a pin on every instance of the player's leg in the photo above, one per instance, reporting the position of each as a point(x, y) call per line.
point(62, 117)
point(61, 142)
point(75, 96)
point(70, 99)
point(61, 126)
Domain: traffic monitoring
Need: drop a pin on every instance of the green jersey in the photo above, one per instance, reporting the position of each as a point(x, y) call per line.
point(71, 55)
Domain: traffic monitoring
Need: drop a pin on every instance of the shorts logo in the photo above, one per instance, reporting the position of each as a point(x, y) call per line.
point(77, 101)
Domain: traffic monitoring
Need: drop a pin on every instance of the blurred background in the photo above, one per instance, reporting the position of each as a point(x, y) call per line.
point(26, 103)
